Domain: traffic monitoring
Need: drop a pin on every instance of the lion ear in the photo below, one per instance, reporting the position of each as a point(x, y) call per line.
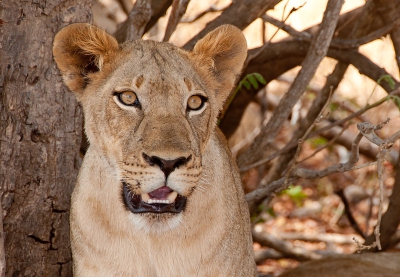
point(224, 50)
point(80, 49)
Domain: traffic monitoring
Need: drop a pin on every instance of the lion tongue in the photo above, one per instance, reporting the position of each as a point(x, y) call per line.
point(160, 193)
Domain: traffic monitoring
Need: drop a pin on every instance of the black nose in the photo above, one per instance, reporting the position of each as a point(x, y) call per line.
point(167, 166)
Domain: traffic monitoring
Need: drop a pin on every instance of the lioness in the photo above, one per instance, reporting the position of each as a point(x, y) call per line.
point(158, 193)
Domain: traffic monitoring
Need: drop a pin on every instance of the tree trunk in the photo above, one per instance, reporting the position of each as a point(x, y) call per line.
point(40, 133)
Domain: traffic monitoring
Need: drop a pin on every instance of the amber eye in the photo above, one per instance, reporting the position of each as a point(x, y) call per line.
point(196, 102)
point(128, 98)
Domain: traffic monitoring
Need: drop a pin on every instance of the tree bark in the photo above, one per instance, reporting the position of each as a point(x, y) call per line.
point(40, 133)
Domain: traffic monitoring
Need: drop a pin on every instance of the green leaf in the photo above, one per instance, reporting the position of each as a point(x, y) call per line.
point(296, 194)
point(253, 81)
point(317, 142)
point(259, 78)
point(271, 212)
point(396, 100)
point(388, 80)
point(246, 84)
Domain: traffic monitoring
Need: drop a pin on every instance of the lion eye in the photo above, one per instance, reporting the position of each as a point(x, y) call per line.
point(196, 102)
point(128, 98)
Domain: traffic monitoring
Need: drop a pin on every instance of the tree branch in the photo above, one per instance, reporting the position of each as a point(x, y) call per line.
point(389, 11)
point(316, 53)
point(280, 57)
point(134, 26)
point(349, 215)
point(288, 250)
point(232, 15)
point(336, 42)
point(177, 11)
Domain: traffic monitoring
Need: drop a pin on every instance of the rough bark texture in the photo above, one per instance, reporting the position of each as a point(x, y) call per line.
point(40, 131)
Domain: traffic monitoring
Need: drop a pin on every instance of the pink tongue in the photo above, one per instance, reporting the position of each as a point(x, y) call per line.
point(160, 193)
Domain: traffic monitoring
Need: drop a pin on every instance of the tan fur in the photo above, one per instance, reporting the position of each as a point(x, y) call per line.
point(211, 237)
point(356, 265)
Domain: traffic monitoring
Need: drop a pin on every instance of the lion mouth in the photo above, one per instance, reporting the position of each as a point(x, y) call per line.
point(161, 200)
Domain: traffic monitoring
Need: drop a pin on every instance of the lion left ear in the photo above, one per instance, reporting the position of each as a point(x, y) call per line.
point(80, 49)
point(224, 51)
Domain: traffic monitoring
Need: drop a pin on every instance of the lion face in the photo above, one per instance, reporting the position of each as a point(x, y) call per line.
point(149, 110)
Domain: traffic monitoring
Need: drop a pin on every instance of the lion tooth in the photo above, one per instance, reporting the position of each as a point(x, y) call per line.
point(145, 197)
point(172, 196)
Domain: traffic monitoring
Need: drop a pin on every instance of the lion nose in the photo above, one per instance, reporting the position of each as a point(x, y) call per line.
point(167, 166)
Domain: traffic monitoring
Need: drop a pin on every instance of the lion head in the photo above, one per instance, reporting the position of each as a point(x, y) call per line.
point(149, 111)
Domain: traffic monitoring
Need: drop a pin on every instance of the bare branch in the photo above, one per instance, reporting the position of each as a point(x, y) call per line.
point(349, 215)
point(266, 189)
point(361, 246)
point(336, 42)
point(177, 11)
point(232, 16)
point(211, 9)
point(134, 26)
point(389, 11)
point(301, 141)
point(356, 114)
point(159, 9)
point(327, 238)
point(288, 250)
point(391, 218)
point(381, 160)
point(316, 53)
point(285, 55)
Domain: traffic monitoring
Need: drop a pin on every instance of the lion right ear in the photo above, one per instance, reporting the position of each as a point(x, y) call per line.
point(81, 49)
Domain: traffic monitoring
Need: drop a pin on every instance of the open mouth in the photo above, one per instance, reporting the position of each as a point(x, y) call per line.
point(161, 200)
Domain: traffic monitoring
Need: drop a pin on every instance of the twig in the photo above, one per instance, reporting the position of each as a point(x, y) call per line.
point(361, 247)
point(254, 55)
point(177, 11)
point(357, 113)
point(267, 189)
point(330, 143)
point(381, 160)
point(211, 9)
point(301, 141)
point(134, 26)
point(368, 130)
point(349, 215)
point(316, 53)
point(336, 42)
point(231, 15)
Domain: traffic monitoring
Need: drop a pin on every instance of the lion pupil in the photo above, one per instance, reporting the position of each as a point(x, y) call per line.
point(128, 97)
point(194, 102)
